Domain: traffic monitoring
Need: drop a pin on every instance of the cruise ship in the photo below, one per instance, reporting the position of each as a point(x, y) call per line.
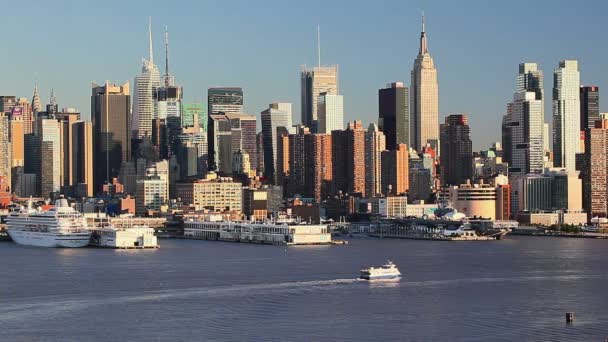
point(60, 226)
point(386, 272)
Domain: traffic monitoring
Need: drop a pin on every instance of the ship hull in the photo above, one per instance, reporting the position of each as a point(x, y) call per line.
point(381, 276)
point(45, 239)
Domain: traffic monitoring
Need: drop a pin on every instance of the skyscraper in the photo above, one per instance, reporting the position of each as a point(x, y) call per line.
point(394, 114)
point(314, 81)
point(524, 123)
point(318, 169)
point(595, 172)
point(82, 158)
point(330, 113)
point(274, 120)
point(590, 106)
point(375, 143)
point(17, 143)
point(457, 156)
point(228, 133)
point(49, 131)
point(24, 109)
point(5, 150)
point(424, 99)
point(566, 114)
point(348, 158)
point(110, 114)
point(144, 85)
point(297, 161)
point(36, 103)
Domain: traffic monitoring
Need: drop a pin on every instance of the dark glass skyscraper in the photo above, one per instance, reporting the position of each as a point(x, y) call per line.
point(457, 150)
point(111, 116)
point(394, 114)
point(590, 106)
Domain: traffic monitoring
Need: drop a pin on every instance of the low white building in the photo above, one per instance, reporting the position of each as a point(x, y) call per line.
point(133, 237)
point(267, 233)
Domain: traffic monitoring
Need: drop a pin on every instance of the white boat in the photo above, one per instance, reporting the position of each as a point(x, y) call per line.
point(385, 272)
point(61, 226)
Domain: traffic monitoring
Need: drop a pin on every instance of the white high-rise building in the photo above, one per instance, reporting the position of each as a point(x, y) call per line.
point(525, 122)
point(276, 120)
point(330, 113)
point(50, 156)
point(143, 100)
point(314, 81)
point(566, 114)
point(424, 99)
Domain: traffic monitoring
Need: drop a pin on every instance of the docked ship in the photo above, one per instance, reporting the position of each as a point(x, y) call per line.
point(60, 226)
point(385, 272)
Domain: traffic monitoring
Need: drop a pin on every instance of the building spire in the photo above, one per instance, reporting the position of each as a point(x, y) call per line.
point(423, 43)
point(151, 54)
point(166, 51)
point(319, 46)
point(52, 99)
point(36, 104)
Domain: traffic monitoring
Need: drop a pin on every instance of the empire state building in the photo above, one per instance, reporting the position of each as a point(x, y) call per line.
point(424, 99)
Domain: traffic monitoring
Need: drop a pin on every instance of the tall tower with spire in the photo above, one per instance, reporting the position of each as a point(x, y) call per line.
point(52, 108)
point(36, 104)
point(144, 86)
point(314, 81)
point(424, 98)
point(168, 78)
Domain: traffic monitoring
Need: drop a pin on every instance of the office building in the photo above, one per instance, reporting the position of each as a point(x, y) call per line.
point(424, 99)
point(457, 150)
point(590, 106)
point(275, 123)
point(51, 156)
point(395, 171)
point(143, 93)
point(153, 189)
point(297, 161)
point(225, 100)
point(111, 119)
point(523, 124)
point(36, 104)
point(314, 81)
point(82, 157)
point(194, 115)
point(330, 113)
point(5, 151)
point(217, 194)
point(566, 114)
point(375, 143)
point(394, 114)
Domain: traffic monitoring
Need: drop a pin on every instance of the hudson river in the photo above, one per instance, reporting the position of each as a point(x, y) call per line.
point(517, 289)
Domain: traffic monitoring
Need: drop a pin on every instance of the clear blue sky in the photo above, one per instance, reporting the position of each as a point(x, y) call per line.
point(260, 45)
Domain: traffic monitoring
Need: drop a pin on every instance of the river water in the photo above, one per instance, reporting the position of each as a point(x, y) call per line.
point(516, 289)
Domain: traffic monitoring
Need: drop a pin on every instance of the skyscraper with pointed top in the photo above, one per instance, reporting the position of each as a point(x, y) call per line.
point(36, 104)
point(314, 81)
point(424, 98)
point(144, 85)
point(52, 108)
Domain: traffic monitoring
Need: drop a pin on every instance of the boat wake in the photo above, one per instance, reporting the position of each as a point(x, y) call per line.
point(54, 305)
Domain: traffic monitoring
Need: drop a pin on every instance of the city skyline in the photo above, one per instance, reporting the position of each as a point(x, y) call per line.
point(394, 46)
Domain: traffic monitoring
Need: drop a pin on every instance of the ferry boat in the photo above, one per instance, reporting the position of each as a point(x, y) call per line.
point(60, 226)
point(385, 272)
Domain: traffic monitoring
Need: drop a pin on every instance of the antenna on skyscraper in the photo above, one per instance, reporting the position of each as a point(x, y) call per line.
point(151, 58)
point(166, 56)
point(319, 45)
